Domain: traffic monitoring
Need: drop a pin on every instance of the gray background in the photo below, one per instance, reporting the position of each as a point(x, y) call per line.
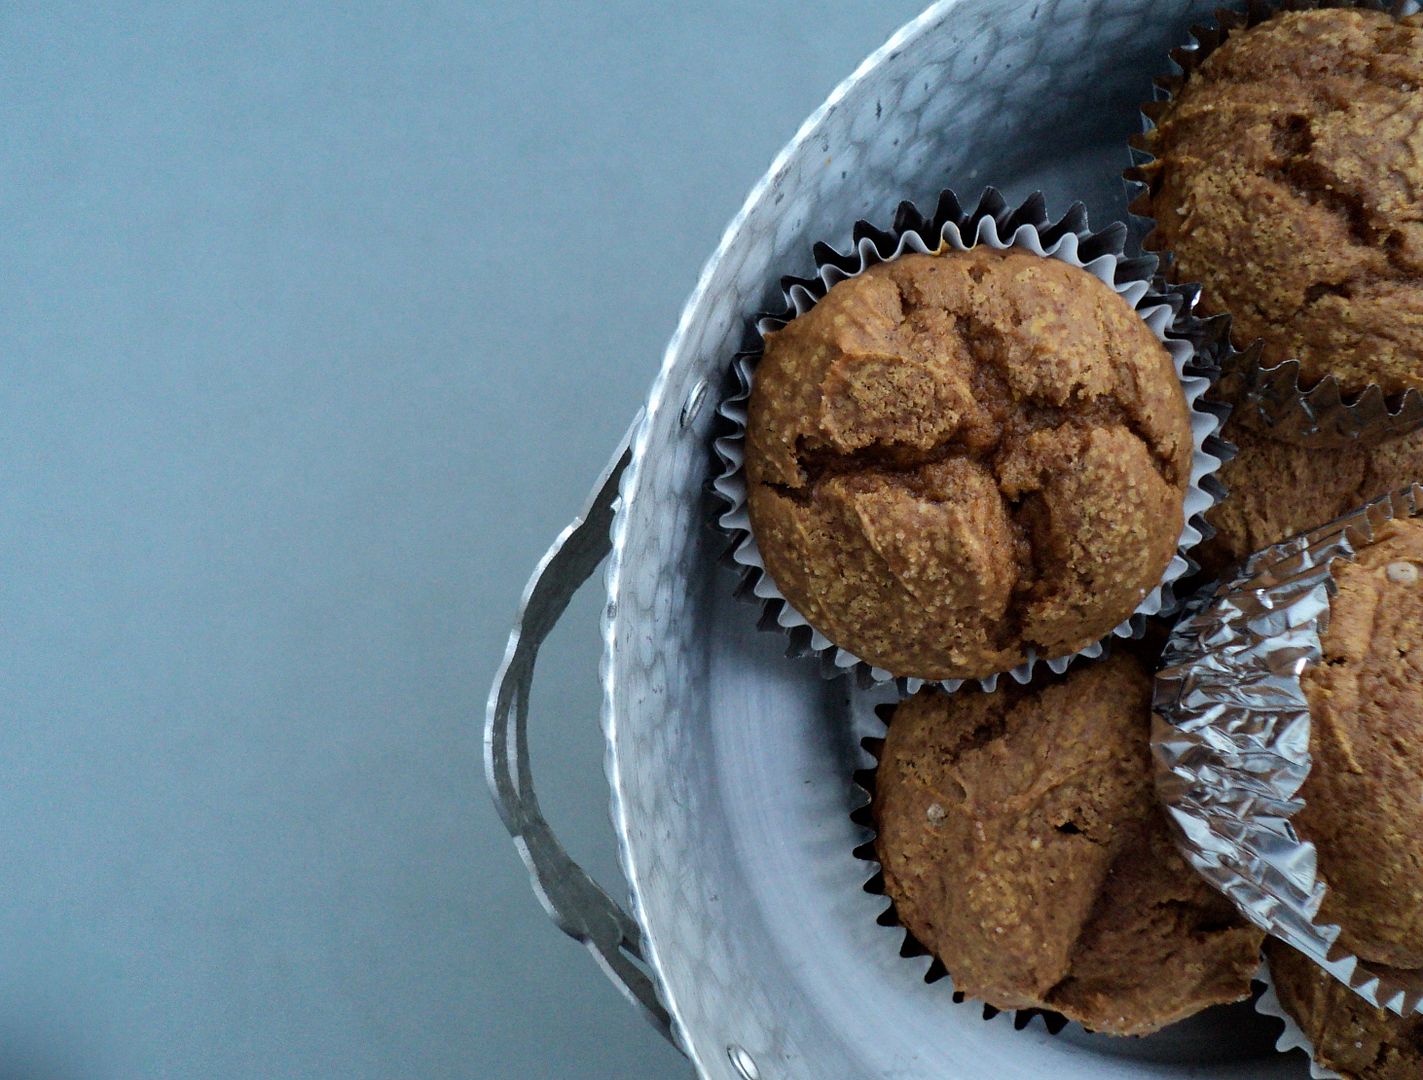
point(314, 329)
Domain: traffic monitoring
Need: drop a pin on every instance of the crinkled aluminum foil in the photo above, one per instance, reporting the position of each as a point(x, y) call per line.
point(1197, 348)
point(1231, 739)
point(1319, 415)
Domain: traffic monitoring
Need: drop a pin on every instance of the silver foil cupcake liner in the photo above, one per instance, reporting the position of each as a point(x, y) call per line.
point(1293, 1036)
point(1197, 347)
point(1230, 735)
point(1322, 414)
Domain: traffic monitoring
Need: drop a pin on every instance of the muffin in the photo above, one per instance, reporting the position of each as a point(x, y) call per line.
point(1288, 181)
point(1022, 844)
point(953, 459)
point(1363, 798)
point(1278, 489)
point(1347, 1034)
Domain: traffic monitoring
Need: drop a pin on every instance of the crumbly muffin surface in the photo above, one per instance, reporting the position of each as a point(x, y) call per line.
point(1022, 844)
point(1348, 1035)
point(1289, 182)
point(1278, 489)
point(954, 458)
point(1363, 798)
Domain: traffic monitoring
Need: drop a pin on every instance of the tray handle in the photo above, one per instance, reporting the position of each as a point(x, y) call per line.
point(574, 901)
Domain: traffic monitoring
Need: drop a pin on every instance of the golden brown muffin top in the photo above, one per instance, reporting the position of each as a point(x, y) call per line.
point(1348, 1034)
point(954, 457)
point(1278, 489)
point(1022, 844)
point(1289, 182)
point(1363, 799)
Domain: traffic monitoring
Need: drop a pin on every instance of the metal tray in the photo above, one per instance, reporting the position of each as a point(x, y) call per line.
point(749, 939)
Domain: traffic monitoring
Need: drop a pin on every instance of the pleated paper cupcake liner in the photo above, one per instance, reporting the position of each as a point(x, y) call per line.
point(1321, 414)
point(1196, 346)
point(1230, 736)
point(1293, 1036)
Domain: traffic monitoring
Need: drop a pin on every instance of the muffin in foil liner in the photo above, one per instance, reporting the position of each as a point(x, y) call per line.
point(1322, 414)
point(1230, 734)
point(1197, 348)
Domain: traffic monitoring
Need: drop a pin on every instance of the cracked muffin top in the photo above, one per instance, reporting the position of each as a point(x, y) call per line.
point(1363, 798)
point(1347, 1034)
point(954, 458)
point(1289, 183)
point(1278, 489)
point(1022, 844)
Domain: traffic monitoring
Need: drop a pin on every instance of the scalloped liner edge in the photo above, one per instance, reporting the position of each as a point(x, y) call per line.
point(1293, 1036)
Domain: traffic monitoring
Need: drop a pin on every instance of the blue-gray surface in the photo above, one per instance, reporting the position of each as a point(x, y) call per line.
point(314, 329)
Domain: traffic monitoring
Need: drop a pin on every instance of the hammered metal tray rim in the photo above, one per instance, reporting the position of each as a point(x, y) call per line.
point(658, 402)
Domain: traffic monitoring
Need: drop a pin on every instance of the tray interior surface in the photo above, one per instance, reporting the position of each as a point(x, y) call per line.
point(731, 764)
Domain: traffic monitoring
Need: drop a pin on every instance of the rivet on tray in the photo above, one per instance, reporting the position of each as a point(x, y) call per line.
point(743, 1062)
point(695, 400)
